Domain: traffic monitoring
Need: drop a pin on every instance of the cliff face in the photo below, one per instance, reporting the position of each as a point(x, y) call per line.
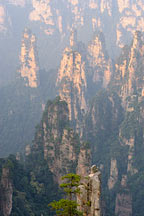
point(6, 193)
point(99, 62)
point(114, 132)
point(113, 174)
point(84, 160)
point(112, 153)
point(114, 127)
point(72, 81)
point(122, 18)
point(105, 114)
point(118, 20)
point(82, 72)
point(53, 22)
point(129, 76)
point(56, 143)
point(90, 192)
point(131, 18)
point(28, 60)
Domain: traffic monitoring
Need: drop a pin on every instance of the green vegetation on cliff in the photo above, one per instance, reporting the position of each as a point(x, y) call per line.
point(68, 206)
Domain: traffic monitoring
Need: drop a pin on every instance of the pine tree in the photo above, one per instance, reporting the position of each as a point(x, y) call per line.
point(68, 206)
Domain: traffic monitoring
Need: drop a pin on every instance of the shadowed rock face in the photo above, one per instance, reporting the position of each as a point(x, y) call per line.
point(82, 72)
point(6, 192)
point(129, 69)
point(58, 144)
point(123, 205)
point(99, 61)
point(90, 190)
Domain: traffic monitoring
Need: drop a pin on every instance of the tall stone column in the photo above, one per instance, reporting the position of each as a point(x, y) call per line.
point(90, 191)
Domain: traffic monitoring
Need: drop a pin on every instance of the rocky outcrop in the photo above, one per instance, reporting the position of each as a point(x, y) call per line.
point(29, 68)
point(82, 71)
point(72, 76)
point(6, 193)
point(131, 19)
point(73, 38)
point(42, 12)
point(99, 62)
point(84, 160)
point(119, 19)
point(113, 174)
point(72, 82)
point(54, 20)
point(56, 143)
point(129, 70)
point(90, 191)
point(52, 16)
point(104, 114)
point(131, 145)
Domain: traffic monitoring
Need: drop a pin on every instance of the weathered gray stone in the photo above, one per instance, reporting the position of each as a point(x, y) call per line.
point(90, 190)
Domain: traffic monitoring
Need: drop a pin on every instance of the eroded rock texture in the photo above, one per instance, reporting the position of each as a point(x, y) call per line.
point(58, 144)
point(90, 191)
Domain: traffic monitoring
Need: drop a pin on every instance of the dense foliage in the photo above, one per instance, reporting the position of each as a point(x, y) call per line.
point(68, 206)
point(32, 191)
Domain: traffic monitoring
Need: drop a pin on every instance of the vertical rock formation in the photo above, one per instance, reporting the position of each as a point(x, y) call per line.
point(82, 72)
point(90, 191)
point(56, 143)
point(29, 68)
point(123, 204)
point(129, 76)
point(6, 193)
point(113, 174)
point(73, 38)
point(84, 160)
point(130, 19)
point(72, 82)
point(99, 62)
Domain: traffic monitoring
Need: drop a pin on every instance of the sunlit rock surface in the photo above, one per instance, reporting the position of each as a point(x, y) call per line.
point(29, 68)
